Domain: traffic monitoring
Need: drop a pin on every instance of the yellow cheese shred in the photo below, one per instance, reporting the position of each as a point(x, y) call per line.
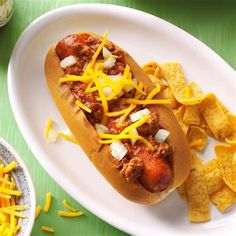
point(68, 206)
point(119, 84)
point(17, 228)
point(74, 78)
point(70, 214)
point(10, 192)
point(4, 180)
point(12, 222)
point(3, 195)
point(67, 137)
point(136, 124)
point(10, 232)
point(88, 88)
point(38, 211)
point(98, 66)
point(134, 85)
point(16, 208)
point(137, 94)
point(125, 134)
point(148, 102)
point(99, 49)
point(108, 82)
point(47, 229)
point(127, 112)
point(48, 128)
point(82, 106)
point(113, 137)
point(9, 167)
point(101, 94)
point(48, 202)
point(154, 92)
point(117, 113)
point(10, 212)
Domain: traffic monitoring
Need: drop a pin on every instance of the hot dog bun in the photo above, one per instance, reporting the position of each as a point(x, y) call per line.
point(99, 154)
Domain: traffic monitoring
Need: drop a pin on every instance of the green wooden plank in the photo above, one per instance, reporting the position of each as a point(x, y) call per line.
point(213, 22)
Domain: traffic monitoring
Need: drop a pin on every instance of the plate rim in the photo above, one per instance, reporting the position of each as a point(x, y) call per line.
point(100, 7)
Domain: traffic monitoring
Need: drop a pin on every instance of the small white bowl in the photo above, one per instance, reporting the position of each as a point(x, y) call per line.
point(24, 184)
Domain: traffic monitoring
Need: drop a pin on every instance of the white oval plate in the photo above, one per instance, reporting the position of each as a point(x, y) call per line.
point(146, 38)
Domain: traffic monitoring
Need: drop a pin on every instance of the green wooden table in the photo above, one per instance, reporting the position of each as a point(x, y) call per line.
point(212, 21)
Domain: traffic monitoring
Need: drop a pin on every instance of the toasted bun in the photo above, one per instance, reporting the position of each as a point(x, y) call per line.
point(99, 154)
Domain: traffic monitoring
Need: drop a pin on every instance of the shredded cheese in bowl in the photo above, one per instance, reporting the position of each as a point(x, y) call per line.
point(10, 211)
point(17, 195)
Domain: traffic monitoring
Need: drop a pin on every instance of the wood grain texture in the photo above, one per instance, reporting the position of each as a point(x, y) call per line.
point(212, 21)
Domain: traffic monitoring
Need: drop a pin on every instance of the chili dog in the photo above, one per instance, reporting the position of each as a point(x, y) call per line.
point(113, 110)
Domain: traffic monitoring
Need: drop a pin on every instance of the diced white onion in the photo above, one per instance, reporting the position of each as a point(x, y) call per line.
point(100, 128)
point(135, 80)
point(101, 80)
point(162, 135)
point(139, 114)
point(118, 150)
point(109, 63)
point(115, 77)
point(68, 61)
point(106, 53)
point(68, 132)
point(133, 131)
point(107, 91)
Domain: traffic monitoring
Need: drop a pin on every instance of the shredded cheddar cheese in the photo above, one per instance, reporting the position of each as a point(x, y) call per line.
point(109, 82)
point(125, 134)
point(17, 228)
point(117, 113)
point(87, 90)
point(10, 192)
point(126, 114)
point(73, 78)
point(99, 66)
point(70, 214)
point(38, 211)
point(47, 229)
point(9, 167)
point(154, 92)
point(137, 94)
point(114, 137)
point(9, 210)
point(68, 206)
point(99, 49)
point(136, 124)
point(82, 106)
point(134, 85)
point(118, 85)
point(101, 94)
point(48, 128)
point(148, 102)
point(67, 137)
point(48, 202)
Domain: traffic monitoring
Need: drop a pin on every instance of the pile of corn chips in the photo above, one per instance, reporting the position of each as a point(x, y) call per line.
point(201, 116)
